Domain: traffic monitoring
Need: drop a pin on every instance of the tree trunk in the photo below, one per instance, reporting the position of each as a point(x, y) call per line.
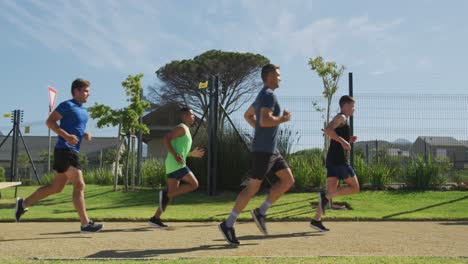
point(117, 164)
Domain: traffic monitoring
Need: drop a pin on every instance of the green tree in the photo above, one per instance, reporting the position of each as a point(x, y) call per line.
point(330, 73)
point(238, 73)
point(127, 117)
point(23, 164)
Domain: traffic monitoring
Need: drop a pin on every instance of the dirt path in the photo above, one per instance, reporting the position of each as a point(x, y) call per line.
point(138, 240)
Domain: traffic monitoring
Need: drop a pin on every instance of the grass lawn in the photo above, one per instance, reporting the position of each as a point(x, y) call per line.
point(251, 260)
point(105, 205)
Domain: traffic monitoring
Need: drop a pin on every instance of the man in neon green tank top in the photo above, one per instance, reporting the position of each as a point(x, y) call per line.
point(178, 143)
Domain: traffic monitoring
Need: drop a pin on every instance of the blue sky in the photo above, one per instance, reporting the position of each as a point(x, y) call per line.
point(391, 46)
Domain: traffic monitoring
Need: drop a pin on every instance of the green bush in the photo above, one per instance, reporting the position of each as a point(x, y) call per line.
point(2, 174)
point(28, 182)
point(233, 160)
point(153, 173)
point(286, 141)
point(380, 174)
point(424, 175)
point(47, 178)
point(459, 176)
point(100, 176)
point(361, 169)
point(308, 169)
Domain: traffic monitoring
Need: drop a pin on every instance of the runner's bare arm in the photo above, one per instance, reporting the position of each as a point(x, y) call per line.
point(267, 119)
point(337, 121)
point(249, 116)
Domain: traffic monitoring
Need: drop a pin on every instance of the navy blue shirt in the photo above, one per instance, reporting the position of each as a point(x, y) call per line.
point(74, 119)
point(265, 138)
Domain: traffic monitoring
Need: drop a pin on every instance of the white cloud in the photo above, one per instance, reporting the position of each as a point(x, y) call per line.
point(124, 35)
point(112, 34)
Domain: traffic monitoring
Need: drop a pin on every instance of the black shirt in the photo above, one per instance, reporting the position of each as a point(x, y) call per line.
point(336, 154)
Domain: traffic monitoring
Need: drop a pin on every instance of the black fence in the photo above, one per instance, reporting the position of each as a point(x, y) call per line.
point(402, 125)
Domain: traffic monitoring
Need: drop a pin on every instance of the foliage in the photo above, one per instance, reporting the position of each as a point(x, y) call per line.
point(308, 169)
point(425, 174)
point(238, 74)
point(153, 173)
point(2, 174)
point(233, 160)
point(330, 73)
point(47, 178)
point(380, 174)
point(83, 158)
point(286, 141)
point(459, 176)
point(128, 116)
point(100, 176)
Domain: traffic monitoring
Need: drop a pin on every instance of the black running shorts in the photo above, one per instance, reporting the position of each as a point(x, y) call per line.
point(64, 158)
point(266, 164)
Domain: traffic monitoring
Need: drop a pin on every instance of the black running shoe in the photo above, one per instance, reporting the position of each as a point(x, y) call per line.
point(259, 220)
point(317, 225)
point(163, 200)
point(19, 209)
point(156, 222)
point(323, 201)
point(91, 227)
point(229, 234)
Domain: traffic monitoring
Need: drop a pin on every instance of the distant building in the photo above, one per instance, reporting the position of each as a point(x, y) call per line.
point(442, 147)
point(38, 147)
point(395, 152)
point(160, 121)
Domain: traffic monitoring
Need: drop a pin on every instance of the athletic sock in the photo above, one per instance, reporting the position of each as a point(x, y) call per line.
point(264, 207)
point(231, 219)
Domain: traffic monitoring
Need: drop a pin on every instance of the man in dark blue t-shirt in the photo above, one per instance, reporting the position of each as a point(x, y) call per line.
point(264, 115)
point(73, 117)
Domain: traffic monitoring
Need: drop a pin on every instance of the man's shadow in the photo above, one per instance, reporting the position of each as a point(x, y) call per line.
point(151, 253)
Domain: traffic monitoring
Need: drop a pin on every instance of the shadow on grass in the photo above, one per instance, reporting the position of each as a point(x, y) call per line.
point(156, 252)
point(7, 206)
point(68, 199)
point(426, 207)
point(291, 212)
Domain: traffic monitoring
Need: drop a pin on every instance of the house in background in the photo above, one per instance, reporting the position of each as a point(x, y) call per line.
point(160, 121)
point(397, 152)
point(442, 147)
point(38, 147)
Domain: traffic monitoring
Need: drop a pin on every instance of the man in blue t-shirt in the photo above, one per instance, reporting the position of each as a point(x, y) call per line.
point(264, 115)
point(73, 117)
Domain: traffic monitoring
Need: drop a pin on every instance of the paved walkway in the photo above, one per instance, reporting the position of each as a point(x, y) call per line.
point(138, 240)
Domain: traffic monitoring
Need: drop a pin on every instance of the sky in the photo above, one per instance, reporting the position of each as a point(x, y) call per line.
point(392, 47)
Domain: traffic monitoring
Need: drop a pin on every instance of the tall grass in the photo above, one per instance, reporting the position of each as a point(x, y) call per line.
point(308, 170)
point(425, 174)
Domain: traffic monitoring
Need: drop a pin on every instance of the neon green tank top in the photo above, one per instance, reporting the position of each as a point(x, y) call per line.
point(181, 145)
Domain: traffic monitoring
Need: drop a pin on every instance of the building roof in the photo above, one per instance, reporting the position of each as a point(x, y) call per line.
point(441, 141)
point(464, 142)
point(162, 120)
